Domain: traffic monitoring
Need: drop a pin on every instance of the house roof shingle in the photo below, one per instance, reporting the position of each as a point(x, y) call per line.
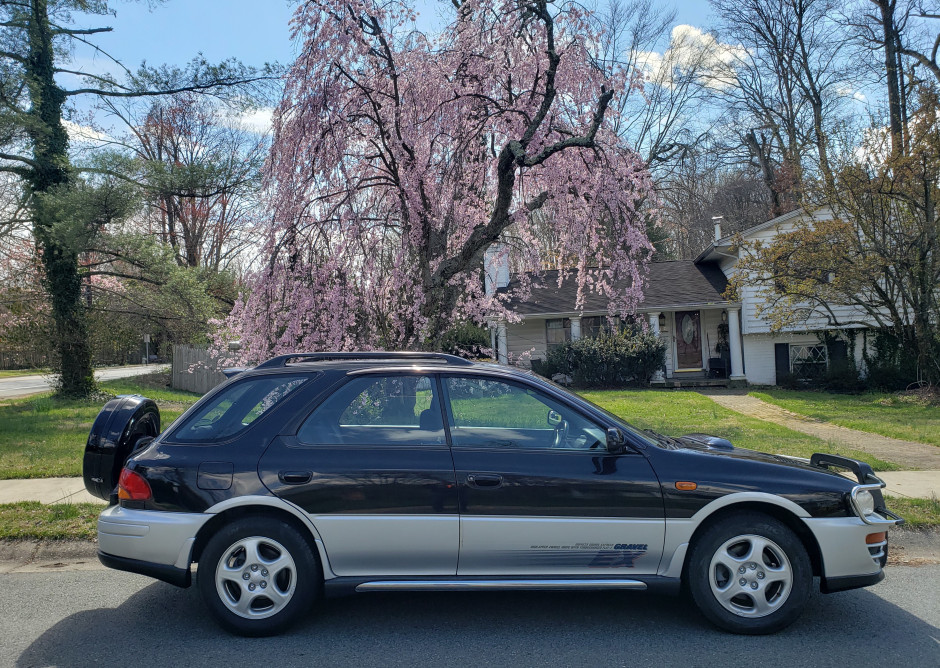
point(671, 283)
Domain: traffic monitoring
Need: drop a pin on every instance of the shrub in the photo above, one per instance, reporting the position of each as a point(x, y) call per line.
point(467, 340)
point(891, 363)
point(610, 360)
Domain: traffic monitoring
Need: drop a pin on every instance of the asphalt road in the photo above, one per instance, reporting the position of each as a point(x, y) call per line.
point(114, 619)
point(22, 386)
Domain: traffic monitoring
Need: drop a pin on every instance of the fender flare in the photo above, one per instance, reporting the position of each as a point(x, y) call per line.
point(257, 500)
point(679, 531)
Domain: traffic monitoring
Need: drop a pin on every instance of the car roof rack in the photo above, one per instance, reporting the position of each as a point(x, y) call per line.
point(405, 355)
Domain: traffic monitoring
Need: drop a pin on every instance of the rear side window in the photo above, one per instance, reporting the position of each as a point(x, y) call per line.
point(378, 410)
point(236, 408)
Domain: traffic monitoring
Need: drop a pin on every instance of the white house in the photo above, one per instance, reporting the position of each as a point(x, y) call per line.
point(709, 339)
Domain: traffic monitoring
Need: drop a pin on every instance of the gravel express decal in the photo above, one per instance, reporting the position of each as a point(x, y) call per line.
point(602, 555)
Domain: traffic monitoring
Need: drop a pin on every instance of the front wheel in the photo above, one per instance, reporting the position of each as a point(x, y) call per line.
point(750, 574)
point(258, 576)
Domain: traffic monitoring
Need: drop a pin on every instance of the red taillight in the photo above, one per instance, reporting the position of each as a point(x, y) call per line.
point(133, 487)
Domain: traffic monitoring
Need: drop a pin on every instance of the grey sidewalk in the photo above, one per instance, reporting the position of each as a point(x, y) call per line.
point(917, 484)
point(903, 453)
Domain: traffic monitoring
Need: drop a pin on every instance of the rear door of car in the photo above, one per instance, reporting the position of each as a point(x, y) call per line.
point(539, 493)
point(372, 468)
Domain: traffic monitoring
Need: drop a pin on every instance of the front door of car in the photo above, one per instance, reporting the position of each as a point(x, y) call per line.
point(539, 492)
point(372, 469)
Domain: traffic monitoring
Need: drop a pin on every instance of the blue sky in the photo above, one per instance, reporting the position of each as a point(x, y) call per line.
point(252, 31)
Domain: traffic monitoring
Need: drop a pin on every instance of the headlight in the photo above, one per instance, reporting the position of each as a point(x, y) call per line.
point(865, 502)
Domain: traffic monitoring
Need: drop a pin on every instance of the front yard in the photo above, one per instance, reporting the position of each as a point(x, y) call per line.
point(898, 416)
point(675, 413)
point(43, 437)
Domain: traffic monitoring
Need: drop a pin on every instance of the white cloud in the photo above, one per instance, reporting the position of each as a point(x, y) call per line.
point(692, 51)
point(256, 120)
point(858, 95)
point(83, 134)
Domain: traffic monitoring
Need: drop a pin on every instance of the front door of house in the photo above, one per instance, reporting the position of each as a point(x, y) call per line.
point(688, 341)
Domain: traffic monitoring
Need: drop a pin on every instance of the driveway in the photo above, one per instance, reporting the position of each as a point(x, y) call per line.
point(23, 386)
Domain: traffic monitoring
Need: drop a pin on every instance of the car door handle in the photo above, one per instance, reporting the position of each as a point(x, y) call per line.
point(294, 477)
point(484, 480)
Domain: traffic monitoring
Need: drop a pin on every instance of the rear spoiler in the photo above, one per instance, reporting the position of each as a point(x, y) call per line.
point(233, 371)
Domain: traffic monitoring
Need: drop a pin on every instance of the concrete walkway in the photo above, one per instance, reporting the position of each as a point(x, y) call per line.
point(46, 490)
point(909, 454)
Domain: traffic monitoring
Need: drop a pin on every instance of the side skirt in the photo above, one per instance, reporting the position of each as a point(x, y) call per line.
point(342, 586)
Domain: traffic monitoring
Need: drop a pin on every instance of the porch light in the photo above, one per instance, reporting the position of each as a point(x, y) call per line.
point(662, 319)
point(724, 316)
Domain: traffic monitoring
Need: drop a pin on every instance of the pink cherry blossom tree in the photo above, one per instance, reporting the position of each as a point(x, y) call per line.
point(399, 158)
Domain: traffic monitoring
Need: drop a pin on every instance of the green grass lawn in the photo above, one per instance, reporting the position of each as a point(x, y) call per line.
point(916, 512)
point(676, 413)
point(31, 519)
point(13, 373)
point(42, 436)
point(893, 415)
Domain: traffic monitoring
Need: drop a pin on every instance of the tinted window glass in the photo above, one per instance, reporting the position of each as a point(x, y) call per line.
point(495, 414)
point(378, 410)
point(235, 408)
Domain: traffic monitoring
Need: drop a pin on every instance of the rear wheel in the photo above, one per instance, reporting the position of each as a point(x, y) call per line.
point(750, 574)
point(258, 576)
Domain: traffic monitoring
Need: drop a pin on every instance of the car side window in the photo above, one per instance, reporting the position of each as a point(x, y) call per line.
point(491, 413)
point(235, 408)
point(378, 410)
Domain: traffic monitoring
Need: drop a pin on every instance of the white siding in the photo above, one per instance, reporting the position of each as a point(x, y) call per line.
point(751, 322)
point(526, 340)
point(759, 359)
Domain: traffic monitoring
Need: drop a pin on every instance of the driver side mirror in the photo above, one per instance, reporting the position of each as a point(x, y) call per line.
point(615, 441)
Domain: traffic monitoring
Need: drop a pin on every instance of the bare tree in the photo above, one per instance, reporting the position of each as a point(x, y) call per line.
point(200, 173)
point(788, 83)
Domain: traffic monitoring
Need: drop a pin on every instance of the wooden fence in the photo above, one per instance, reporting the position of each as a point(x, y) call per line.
point(194, 369)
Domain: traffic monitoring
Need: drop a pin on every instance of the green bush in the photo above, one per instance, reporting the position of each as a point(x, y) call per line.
point(610, 360)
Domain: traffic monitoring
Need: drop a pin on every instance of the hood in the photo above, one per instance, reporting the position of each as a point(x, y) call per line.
point(720, 446)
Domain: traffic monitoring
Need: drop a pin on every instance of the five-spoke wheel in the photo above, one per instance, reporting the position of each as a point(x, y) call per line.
point(749, 573)
point(258, 576)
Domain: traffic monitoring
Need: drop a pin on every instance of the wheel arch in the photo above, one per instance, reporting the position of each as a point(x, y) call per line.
point(777, 511)
point(259, 506)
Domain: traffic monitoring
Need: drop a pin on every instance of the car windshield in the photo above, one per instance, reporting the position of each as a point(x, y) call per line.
point(619, 421)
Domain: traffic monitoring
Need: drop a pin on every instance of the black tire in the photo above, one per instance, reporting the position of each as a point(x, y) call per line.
point(278, 598)
point(774, 586)
point(124, 426)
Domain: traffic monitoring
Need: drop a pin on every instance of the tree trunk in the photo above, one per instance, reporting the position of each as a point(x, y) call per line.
point(893, 74)
point(51, 172)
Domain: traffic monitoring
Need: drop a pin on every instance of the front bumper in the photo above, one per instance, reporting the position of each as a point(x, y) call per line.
point(848, 560)
point(153, 543)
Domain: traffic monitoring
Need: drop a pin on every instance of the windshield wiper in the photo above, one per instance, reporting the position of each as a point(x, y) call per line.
point(662, 438)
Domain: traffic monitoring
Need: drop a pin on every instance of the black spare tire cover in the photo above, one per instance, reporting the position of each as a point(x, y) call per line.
point(120, 428)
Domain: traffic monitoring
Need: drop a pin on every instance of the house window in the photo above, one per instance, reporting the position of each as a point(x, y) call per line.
point(808, 362)
point(593, 326)
point(557, 332)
